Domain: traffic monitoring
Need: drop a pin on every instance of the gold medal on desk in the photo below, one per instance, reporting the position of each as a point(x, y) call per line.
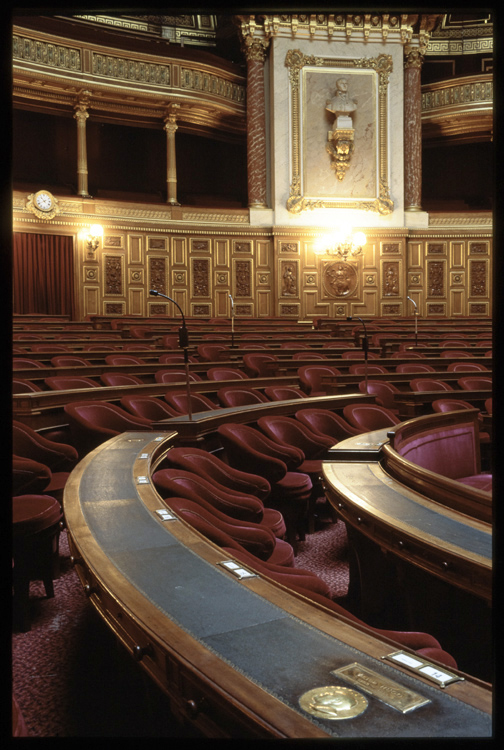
point(333, 702)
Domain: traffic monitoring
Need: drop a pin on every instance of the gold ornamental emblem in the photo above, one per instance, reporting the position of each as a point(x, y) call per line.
point(333, 702)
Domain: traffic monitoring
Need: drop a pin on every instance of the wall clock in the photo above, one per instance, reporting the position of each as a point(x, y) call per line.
point(43, 204)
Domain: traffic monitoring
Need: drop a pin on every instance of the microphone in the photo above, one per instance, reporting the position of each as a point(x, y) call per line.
point(183, 343)
point(412, 300)
point(232, 319)
point(232, 301)
point(416, 319)
point(364, 348)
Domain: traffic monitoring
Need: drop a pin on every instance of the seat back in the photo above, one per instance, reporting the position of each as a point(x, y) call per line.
point(466, 367)
point(175, 376)
point(357, 354)
point(93, 422)
point(49, 348)
point(291, 432)
point(69, 360)
point(450, 404)
point(70, 382)
point(260, 365)
point(451, 353)
point(230, 396)
point(123, 359)
point(429, 384)
point(247, 449)
point(213, 352)
point(369, 417)
point(22, 363)
point(475, 383)
point(370, 369)
point(310, 377)
point(382, 390)
point(309, 354)
point(27, 443)
point(414, 367)
point(325, 422)
point(19, 385)
point(213, 469)
point(226, 373)
point(454, 343)
point(148, 407)
point(178, 400)
point(119, 378)
point(283, 392)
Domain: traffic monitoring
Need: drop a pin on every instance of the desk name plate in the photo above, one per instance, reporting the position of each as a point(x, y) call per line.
point(384, 689)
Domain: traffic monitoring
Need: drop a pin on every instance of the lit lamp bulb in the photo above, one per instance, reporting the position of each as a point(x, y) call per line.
point(94, 236)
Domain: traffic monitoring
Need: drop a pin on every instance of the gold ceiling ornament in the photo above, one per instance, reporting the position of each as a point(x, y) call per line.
point(43, 204)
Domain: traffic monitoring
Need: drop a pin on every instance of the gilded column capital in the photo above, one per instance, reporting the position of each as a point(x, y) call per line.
point(413, 57)
point(254, 49)
point(82, 104)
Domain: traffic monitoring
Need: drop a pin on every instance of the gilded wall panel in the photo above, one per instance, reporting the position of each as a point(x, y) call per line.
point(414, 254)
point(201, 310)
point(458, 254)
point(221, 252)
point(242, 246)
point(92, 300)
point(457, 278)
point(157, 274)
point(113, 274)
point(135, 248)
point(391, 278)
point(290, 309)
point(136, 301)
point(158, 244)
point(221, 279)
point(242, 274)
point(288, 278)
point(264, 253)
point(179, 277)
point(415, 279)
point(201, 277)
point(113, 241)
point(90, 274)
point(368, 306)
point(478, 308)
point(457, 302)
point(200, 245)
point(179, 251)
point(479, 248)
point(478, 278)
point(436, 278)
point(436, 309)
point(264, 304)
point(136, 276)
point(222, 304)
point(159, 309)
point(114, 308)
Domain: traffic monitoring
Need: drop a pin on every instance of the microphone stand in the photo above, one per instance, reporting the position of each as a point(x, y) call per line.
point(416, 319)
point(232, 321)
point(183, 343)
point(365, 347)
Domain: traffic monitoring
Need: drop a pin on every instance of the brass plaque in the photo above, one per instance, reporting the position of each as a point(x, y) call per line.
point(333, 702)
point(386, 690)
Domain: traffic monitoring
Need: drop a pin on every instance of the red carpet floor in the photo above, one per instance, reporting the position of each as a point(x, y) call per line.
point(72, 679)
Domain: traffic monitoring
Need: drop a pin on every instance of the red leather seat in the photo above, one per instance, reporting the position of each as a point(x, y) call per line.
point(226, 373)
point(423, 643)
point(429, 384)
point(453, 343)
point(123, 359)
point(213, 352)
point(308, 354)
point(260, 365)
point(475, 383)
point(148, 407)
point(120, 378)
point(213, 469)
point(369, 417)
point(310, 378)
point(70, 382)
point(230, 396)
point(358, 354)
point(370, 369)
point(283, 392)
point(178, 400)
point(249, 450)
point(407, 355)
point(221, 529)
point(35, 533)
point(383, 392)
point(414, 367)
point(93, 422)
point(24, 363)
point(175, 376)
point(237, 505)
point(69, 360)
point(29, 476)
point(168, 359)
point(466, 367)
point(19, 385)
point(325, 422)
point(49, 348)
point(458, 353)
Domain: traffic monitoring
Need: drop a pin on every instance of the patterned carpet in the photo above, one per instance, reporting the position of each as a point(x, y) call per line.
point(72, 679)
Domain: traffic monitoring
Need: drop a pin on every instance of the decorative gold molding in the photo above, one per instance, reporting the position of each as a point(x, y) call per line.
point(296, 62)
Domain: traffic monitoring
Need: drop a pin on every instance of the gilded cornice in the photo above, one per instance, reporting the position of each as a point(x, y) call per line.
point(49, 72)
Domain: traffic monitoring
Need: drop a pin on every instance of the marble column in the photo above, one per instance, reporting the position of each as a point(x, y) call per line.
point(81, 115)
point(412, 130)
point(170, 125)
point(255, 52)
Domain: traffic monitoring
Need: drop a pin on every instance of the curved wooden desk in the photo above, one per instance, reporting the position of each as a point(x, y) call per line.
point(234, 655)
point(434, 559)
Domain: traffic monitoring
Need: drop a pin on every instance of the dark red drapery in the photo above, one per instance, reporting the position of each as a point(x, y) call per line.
point(43, 274)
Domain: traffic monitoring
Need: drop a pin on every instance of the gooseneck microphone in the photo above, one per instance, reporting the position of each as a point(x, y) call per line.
point(365, 347)
point(183, 343)
point(232, 319)
point(416, 319)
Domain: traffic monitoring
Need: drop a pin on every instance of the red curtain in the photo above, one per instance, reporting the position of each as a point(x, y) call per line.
point(43, 274)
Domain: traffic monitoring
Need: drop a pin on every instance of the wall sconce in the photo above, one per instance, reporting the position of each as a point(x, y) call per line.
point(342, 244)
point(93, 237)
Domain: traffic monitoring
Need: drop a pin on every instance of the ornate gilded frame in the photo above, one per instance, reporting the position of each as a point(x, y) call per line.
point(380, 67)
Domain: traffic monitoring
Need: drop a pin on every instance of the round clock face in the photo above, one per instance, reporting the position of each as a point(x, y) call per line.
point(44, 201)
